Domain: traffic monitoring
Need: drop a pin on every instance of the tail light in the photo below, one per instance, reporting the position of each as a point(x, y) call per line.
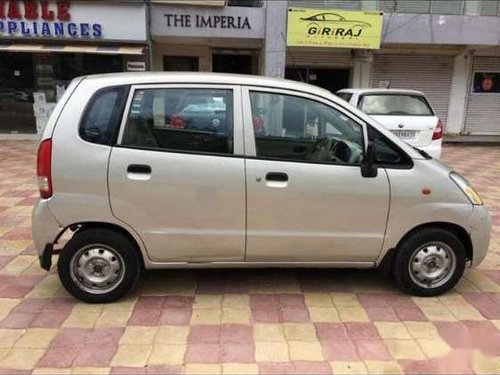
point(44, 168)
point(438, 131)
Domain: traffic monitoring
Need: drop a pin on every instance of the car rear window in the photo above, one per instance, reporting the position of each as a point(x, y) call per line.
point(395, 105)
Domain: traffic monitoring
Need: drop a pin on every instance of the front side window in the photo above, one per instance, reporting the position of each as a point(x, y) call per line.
point(293, 128)
point(395, 105)
point(101, 119)
point(182, 119)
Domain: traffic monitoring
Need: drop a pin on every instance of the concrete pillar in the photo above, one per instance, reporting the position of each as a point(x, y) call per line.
point(457, 105)
point(362, 68)
point(273, 57)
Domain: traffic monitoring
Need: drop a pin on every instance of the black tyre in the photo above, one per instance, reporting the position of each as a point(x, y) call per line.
point(429, 262)
point(99, 265)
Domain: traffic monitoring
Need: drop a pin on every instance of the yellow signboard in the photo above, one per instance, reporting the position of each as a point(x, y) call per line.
point(334, 28)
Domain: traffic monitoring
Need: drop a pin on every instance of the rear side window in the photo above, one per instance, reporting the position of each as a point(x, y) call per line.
point(181, 119)
point(101, 120)
point(395, 105)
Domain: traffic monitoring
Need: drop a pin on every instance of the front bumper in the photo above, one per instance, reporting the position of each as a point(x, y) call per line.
point(480, 233)
point(45, 230)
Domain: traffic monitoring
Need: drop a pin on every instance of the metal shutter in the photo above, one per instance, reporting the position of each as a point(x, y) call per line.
point(483, 110)
point(423, 6)
point(319, 57)
point(413, 6)
point(326, 4)
point(490, 7)
point(448, 7)
point(430, 74)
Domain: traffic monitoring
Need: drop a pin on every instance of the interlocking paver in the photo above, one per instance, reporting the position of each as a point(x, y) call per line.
point(243, 321)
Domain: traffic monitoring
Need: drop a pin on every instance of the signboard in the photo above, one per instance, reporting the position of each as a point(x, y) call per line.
point(210, 3)
point(334, 28)
point(72, 20)
point(136, 66)
point(227, 22)
point(486, 83)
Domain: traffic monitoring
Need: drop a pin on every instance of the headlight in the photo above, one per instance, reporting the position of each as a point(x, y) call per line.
point(465, 186)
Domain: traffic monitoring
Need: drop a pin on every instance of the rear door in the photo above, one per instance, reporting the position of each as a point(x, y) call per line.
point(409, 116)
point(177, 176)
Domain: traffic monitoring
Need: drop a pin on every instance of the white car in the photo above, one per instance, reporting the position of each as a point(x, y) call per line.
point(407, 113)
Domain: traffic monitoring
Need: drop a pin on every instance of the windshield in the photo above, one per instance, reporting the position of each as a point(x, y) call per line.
point(395, 105)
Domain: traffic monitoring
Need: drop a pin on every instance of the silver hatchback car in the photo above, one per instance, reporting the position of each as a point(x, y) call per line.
point(164, 170)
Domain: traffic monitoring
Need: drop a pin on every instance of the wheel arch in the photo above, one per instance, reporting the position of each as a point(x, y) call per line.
point(456, 229)
point(83, 226)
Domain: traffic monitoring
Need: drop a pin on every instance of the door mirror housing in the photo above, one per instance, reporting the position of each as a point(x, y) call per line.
point(369, 163)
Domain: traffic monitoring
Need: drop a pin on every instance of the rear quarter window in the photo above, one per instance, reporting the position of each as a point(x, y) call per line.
point(101, 119)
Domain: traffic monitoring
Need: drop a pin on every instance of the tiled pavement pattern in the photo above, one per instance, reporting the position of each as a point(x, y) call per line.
point(244, 321)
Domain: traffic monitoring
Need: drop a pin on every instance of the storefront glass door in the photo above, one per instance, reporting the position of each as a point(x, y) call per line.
point(329, 79)
point(227, 63)
point(16, 93)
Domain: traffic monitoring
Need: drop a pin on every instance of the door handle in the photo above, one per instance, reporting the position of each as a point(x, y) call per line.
point(139, 169)
point(276, 176)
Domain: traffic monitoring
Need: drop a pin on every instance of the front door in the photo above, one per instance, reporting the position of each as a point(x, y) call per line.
point(173, 177)
point(306, 198)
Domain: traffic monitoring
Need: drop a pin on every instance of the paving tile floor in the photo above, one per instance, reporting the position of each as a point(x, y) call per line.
point(243, 321)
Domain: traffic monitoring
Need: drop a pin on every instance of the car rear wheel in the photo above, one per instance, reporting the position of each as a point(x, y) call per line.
point(429, 262)
point(99, 265)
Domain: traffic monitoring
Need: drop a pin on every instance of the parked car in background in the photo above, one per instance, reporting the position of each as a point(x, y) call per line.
point(407, 113)
point(190, 170)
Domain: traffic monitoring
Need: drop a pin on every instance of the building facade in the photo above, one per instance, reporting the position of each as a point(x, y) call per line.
point(449, 49)
point(45, 44)
point(217, 36)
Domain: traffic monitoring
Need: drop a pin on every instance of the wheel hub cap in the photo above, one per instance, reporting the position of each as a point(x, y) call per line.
point(432, 265)
point(97, 269)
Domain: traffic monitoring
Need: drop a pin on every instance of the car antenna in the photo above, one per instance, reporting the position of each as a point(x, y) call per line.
point(289, 51)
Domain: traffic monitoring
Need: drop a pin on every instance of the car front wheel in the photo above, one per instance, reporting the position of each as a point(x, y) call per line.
point(429, 262)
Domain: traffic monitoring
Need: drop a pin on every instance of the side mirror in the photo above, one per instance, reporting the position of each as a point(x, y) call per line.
point(369, 162)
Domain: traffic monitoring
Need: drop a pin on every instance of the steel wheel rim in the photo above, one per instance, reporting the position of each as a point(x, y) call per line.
point(97, 269)
point(432, 265)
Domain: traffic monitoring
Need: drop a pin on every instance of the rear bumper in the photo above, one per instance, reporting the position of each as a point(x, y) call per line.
point(480, 232)
point(434, 149)
point(45, 230)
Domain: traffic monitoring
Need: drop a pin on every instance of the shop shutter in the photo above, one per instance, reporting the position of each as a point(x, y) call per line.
point(490, 7)
point(326, 4)
point(319, 57)
point(413, 6)
point(430, 74)
point(455, 7)
point(423, 6)
point(483, 110)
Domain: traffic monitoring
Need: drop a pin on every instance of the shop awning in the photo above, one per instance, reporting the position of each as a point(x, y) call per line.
point(72, 48)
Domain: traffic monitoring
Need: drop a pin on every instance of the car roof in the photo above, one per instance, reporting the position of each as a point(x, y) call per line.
point(381, 91)
point(111, 79)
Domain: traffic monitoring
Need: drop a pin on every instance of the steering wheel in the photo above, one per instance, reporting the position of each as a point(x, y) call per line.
point(325, 149)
